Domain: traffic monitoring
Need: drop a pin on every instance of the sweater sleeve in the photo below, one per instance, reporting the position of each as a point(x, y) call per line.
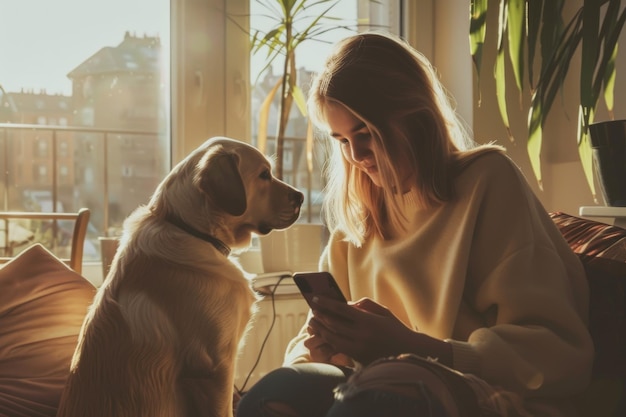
point(333, 259)
point(530, 288)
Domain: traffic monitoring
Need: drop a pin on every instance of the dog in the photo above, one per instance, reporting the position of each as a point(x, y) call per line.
point(162, 334)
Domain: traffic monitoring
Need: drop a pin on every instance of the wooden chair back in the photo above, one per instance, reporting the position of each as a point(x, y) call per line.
point(81, 221)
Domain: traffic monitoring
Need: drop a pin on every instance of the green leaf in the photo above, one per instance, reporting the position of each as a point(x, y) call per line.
point(533, 26)
point(585, 152)
point(557, 65)
point(606, 73)
point(516, 20)
point(501, 91)
point(499, 69)
point(589, 58)
point(264, 114)
point(551, 31)
point(535, 138)
point(300, 100)
point(478, 27)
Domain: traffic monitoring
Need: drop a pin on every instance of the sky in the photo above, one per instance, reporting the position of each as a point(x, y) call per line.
point(73, 31)
point(76, 29)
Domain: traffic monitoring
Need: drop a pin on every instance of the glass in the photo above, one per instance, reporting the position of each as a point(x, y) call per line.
point(349, 17)
point(84, 106)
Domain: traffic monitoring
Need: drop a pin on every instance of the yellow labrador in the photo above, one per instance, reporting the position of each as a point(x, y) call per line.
point(162, 335)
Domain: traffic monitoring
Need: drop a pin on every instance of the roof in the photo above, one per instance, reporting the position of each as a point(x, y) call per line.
point(41, 102)
point(134, 54)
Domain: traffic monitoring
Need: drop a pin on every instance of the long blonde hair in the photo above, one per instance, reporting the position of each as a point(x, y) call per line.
point(395, 91)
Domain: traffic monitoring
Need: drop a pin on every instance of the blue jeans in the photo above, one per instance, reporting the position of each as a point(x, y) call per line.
point(321, 390)
point(306, 388)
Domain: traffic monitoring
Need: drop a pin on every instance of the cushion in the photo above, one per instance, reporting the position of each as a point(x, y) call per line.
point(42, 306)
point(602, 250)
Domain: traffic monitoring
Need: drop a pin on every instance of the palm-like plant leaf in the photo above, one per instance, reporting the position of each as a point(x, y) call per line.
point(499, 69)
point(516, 17)
point(598, 33)
point(478, 27)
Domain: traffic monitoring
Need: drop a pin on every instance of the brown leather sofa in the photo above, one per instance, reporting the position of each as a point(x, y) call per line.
point(602, 250)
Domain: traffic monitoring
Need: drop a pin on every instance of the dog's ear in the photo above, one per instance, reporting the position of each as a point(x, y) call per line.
point(219, 178)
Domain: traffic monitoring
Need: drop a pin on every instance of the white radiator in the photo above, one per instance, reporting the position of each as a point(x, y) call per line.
point(289, 312)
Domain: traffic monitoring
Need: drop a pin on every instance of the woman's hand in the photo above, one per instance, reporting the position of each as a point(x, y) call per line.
point(366, 331)
point(319, 349)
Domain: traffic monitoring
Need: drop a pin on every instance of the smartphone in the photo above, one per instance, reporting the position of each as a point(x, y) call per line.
point(313, 284)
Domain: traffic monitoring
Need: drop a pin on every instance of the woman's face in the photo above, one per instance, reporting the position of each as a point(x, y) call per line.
point(355, 140)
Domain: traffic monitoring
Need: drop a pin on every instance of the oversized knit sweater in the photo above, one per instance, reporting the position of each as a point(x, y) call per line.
point(488, 272)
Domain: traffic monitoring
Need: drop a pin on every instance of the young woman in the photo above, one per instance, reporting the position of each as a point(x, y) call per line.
point(466, 299)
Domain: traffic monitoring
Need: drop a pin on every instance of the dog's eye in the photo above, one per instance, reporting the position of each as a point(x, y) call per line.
point(266, 175)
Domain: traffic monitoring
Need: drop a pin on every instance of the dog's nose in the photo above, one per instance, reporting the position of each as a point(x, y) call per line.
point(297, 198)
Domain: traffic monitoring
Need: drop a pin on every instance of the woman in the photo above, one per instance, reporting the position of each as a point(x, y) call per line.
point(467, 301)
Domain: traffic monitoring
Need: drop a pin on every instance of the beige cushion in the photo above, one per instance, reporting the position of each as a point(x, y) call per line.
point(42, 306)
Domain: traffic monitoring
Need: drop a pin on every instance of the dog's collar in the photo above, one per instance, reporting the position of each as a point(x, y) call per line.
point(219, 245)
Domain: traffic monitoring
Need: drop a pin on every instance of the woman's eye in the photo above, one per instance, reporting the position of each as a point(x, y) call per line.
point(266, 175)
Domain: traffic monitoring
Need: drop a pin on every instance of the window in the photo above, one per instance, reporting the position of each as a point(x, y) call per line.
point(63, 150)
point(64, 173)
point(104, 79)
point(42, 173)
point(111, 73)
point(357, 16)
point(42, 148)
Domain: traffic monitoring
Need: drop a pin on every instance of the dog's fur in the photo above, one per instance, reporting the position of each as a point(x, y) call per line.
point(162, 335)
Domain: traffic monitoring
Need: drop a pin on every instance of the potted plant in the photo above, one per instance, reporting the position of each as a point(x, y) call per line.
point(292, 23)
point(535, 29)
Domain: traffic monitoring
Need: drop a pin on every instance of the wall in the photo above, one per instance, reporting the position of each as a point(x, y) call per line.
point(441, 32)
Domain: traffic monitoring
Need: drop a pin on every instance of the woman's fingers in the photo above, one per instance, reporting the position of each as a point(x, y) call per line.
point(319, 349)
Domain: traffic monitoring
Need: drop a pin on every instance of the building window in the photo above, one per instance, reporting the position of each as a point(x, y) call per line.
point(63, 149)
point(42, 148)
point(127, 171)
point(41, 174)
point(64, 174)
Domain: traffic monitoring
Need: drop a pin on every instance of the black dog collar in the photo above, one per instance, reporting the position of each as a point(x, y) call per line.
point(219, 245)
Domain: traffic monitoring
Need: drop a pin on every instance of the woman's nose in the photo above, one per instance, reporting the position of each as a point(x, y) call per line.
point(359, 152)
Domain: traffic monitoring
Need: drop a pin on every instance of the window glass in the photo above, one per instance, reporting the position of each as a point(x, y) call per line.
point(346, 17)
point(93, 76)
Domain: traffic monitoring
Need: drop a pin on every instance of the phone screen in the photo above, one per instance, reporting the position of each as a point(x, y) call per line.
point(313, 284)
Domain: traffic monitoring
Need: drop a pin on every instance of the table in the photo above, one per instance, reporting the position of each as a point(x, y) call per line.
point(617, 213)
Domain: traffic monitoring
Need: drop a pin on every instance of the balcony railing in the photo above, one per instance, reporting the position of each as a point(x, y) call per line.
point(63, 168)
point(110, 171)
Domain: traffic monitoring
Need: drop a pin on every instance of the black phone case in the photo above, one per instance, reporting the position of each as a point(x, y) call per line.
point(318, 283)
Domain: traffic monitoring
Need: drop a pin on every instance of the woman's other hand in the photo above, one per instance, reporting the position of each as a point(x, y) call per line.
point(321, 351)
point(366, 331)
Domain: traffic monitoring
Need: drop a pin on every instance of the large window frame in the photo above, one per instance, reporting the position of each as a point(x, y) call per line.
point(210, 58)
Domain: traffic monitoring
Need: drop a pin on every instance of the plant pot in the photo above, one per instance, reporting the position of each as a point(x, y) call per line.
point(608, 144)
point(296, 249)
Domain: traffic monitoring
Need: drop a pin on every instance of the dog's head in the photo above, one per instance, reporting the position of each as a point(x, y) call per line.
point(226, 188)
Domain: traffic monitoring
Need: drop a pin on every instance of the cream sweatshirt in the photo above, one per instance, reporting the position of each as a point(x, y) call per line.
point(488, 272)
